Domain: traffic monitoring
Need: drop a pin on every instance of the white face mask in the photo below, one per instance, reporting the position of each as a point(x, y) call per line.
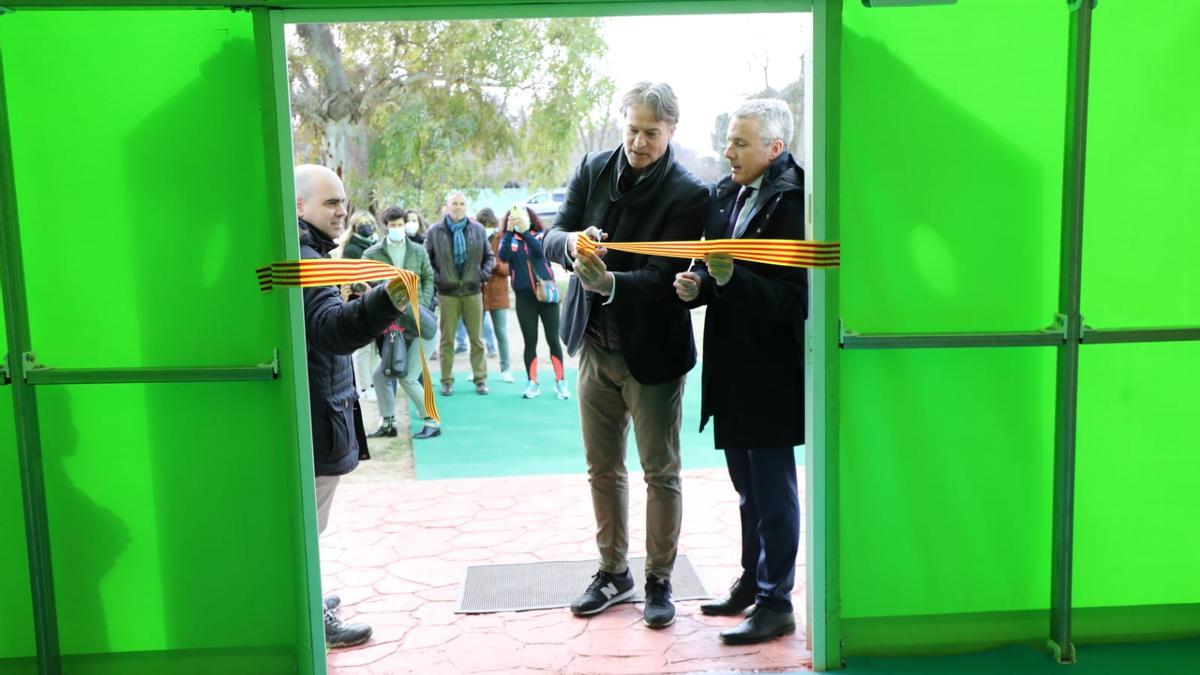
point(395, 235)
point(411, 229)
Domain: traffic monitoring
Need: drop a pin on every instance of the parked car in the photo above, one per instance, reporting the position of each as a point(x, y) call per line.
point(545, 204)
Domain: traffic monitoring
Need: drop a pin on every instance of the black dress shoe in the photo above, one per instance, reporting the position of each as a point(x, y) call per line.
point(761, 625)
point(385, 430)
point(741, 596)
point(428, 432)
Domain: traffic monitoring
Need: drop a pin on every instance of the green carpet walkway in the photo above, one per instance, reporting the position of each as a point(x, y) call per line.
point(502, 434)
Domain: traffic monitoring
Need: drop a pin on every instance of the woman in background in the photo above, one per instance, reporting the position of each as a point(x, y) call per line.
point(521, 247)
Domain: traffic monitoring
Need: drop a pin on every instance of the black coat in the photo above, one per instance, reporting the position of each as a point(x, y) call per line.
point(356, 246)
point(654, 328)
point(334, 329)
point(753, 380)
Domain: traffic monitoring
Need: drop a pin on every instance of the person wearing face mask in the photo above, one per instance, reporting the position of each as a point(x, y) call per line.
point(398, 250)
point(363, 235)
point(415, 226)
point(520, 250)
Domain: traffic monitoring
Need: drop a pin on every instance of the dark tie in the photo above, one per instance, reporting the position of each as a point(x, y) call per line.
point(743, 195)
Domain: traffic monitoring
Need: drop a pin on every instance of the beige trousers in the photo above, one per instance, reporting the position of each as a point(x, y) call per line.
point(609, 398)
point(470, 308)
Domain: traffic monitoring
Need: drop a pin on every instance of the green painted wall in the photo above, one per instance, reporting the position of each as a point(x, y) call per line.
point(174, 509)
point(1139, 469)
point(16, 605)
point(951, 172)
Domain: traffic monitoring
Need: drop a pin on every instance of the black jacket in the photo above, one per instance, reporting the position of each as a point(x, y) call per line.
point(333, 330)
point(654, 328)
point(753, 380)
point(356, 246)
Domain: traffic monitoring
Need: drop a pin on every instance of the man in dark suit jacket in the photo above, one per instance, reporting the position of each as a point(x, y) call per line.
point(635, 339)
point(753, 382)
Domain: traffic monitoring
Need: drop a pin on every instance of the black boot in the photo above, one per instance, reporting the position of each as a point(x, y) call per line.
point(387, 429)
point(741, 596)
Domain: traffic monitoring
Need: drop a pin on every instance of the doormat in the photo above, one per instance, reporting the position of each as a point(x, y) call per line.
point(545, 585)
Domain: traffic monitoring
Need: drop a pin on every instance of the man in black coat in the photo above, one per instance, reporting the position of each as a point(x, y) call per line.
point(635, 339)
point(333, 330)
point(753, 382)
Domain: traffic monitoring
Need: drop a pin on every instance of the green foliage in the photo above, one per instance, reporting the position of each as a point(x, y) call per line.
point(455, 104)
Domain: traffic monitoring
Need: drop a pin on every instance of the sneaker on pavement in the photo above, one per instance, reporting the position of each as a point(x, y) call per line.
point(532, 390)
point(659, 611)
point(481, 388)
point(561, 391)
point(447, 388)
point(606, 590)
point(506, 376)
point(338, 634)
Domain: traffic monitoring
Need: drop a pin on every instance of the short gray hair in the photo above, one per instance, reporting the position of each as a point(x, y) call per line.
point(657, 96)
point(774, 119)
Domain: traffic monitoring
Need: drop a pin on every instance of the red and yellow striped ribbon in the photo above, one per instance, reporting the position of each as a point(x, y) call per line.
point(334, 272)
point(785, 252)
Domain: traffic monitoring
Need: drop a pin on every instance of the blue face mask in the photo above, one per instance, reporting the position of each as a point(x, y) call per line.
point(395, 235)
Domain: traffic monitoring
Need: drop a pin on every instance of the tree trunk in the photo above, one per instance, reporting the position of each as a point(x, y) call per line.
point(344, 146)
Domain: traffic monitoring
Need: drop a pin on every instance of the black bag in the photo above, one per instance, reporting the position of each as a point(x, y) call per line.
point(393, 354)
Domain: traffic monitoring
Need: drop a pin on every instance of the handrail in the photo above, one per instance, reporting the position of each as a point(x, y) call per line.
point(38, 374)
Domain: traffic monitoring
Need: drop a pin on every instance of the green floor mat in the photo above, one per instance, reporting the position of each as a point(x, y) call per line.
point(502, 434)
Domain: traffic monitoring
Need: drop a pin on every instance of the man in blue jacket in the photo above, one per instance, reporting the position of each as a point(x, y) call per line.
point(753, 381)
point(334, 329)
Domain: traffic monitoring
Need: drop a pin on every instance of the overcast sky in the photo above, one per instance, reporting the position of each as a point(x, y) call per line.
point(711, 61)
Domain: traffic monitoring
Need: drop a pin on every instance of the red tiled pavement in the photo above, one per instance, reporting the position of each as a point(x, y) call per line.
point(396, 553)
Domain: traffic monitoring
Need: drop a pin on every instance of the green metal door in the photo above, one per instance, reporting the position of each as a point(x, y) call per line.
point(173, 453)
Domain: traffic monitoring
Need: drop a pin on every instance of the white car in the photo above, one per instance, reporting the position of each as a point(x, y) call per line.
point(545, 204)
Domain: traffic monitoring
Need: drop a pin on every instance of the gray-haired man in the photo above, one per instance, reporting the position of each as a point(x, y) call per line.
point(753, 382)
point(634, 338)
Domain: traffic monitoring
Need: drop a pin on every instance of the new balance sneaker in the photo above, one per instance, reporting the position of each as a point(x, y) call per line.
point(338, 634)
point(606, 590)
point(659, 611)
point(532, 390)
point(561, 391)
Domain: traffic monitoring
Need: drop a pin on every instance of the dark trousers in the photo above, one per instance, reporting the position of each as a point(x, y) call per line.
point(765, 481)
point(529, 310)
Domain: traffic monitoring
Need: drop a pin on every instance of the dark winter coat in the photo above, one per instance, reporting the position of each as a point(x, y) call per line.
point(439, 242)
point(753, 380)
point(356, 246)
point(669, 205)
point(525, 260)
point(334, 329)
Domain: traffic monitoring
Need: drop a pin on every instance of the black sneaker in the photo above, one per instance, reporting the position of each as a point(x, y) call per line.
point(338, 634)
point(606, 590)
point(659, 611)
